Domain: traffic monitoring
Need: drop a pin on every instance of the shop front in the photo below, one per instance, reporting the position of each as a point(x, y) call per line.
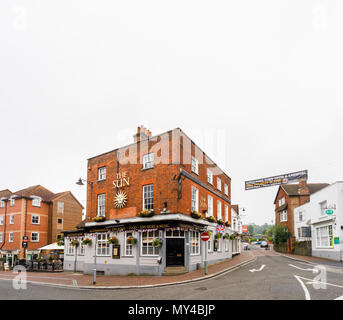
point(134, 246)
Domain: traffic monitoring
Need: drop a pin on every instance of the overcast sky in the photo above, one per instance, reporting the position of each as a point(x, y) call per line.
point(256, 84)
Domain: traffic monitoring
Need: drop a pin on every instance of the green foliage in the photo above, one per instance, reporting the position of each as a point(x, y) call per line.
point(281, 234)
point(246, 239)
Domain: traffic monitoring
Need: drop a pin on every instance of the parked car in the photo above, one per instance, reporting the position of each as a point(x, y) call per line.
point(258, 242)
point(264, 244)
point(254, 242)
point(246, 246)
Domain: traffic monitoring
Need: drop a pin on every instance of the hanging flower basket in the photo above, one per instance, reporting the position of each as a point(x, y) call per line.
point(113, 240)
point(220, 221)
point(147, 213)
point(60, 243)
point(228, 223)
point(211, 219)
point(232, 237)
point(87, 241)
point(195, 215)
point(75, 243)
point(226, 236)
point(157, 243)
point(99, 219)
point(209, 233)
point(131, 240)
point(218, 236)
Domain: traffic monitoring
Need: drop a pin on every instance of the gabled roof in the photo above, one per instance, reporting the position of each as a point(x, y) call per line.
point(292, 189)
point(236, 208)
point(37, 190)
point(5, 193)
point(61, 194)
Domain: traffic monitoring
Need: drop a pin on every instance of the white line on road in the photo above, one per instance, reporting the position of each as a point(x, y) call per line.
point(254, 270)
point(339, 298)
point(309, 269)
point(307, 294)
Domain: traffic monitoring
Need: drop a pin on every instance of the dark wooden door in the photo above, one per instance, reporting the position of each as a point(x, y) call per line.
point(175, 255)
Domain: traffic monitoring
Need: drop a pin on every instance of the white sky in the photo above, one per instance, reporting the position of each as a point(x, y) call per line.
point(264, 78)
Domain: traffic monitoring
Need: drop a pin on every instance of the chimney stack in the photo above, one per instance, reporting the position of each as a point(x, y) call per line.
point(303, 188)
point(142, 134)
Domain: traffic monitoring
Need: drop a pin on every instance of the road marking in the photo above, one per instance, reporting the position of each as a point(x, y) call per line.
point(307, 294)
point(74, 283)
point(313, 270)
point(339, 298)
point(254, 270)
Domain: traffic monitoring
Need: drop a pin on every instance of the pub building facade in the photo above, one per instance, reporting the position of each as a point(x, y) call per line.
point(147, 205)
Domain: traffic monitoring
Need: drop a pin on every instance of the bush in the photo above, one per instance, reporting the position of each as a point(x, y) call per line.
point(281, 234)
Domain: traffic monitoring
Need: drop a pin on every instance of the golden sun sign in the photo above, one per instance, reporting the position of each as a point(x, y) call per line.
point(120, 199)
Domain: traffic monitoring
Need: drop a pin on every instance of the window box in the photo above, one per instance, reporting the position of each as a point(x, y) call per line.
point(228, 223)
point(195, 215)
point(60, 242)
point(218, 236)
point(147, 213)
point(211, 219)
point(226, 236)
point(99, 219)
point(220, 221)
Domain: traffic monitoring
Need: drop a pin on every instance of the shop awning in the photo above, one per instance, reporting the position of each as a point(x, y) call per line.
point(52, 246)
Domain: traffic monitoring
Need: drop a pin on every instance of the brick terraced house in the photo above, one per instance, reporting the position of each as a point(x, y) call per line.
point(147, 204)
point(289, 197)
point(37, 213)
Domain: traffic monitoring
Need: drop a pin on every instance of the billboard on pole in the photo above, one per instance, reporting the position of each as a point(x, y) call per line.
point(276, 180)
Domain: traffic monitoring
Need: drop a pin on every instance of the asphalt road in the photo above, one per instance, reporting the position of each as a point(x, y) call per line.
point(274, 278)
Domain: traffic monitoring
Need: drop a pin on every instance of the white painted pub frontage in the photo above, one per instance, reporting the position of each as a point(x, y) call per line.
point(140, 246)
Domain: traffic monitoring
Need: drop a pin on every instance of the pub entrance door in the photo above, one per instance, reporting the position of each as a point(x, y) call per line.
point(175, 252)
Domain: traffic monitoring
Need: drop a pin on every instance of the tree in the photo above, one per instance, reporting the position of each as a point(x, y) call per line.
point(281, 234)
point(251, 228)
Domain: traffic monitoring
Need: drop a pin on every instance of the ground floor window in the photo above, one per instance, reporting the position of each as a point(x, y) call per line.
point(82, 248)
point(175, 234)
point(210, 244)
point(103, 247)
point(324, 236)
point(147, 248)
point(128, 246)
point(194, 240)
point(226, 245)
point(71, 248)
point(219, 245)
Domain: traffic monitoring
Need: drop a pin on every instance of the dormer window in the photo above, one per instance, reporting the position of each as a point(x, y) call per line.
point(36, 201)
point(2, 203)
point(148, 160)
point(12, 202)
point(219, 184)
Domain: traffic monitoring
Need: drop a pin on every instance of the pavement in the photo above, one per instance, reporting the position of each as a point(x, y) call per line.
point(260, 275)
point(80, 280)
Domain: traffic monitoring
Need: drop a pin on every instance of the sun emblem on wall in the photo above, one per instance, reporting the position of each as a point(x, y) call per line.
point(120, 199)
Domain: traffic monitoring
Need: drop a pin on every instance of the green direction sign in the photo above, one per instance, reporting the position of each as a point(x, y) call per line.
point(336, 240)
point(329, 211)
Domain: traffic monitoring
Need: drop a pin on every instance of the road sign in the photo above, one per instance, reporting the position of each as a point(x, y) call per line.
point(329, 211)
point(276, 180)
point(205, 236)
point(24, 244)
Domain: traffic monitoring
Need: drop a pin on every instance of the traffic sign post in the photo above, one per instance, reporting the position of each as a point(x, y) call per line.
point(205, 237)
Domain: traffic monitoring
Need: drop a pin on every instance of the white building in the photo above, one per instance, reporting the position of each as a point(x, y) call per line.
point(236, 228)
point(324, 215)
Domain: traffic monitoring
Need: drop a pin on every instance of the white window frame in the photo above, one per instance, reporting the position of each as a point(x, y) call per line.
point(319, 237)
point(323, 207)
point(102, 245)
point(101, 205)
point(60, 207)
point(1, 237)
point(194, 242)
point(128, 247)
point(219, 210)
point(282, 201)
point(10, 237)
point(102, 173)
point(36, 201)
point(82, 249)
point(2, 204)
point(283, 216)
point(301, 216)
point(195, 165)
point(219, 247)
point(35, 216)
point(71, 249)
point(148, 197)
point(174, 234)
point(32, 233)
point(219, 184)
point(209, 176)
point(1, 220)
point(150, 235)
point(226, 189)
point(226, 241)
point(12, 202)
point(209, 212)
point(226, 208)
point(210, 243)
point(11, 218)
point(195, 199)
point(148, 160)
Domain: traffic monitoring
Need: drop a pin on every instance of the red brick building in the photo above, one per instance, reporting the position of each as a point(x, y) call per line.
point(37, 213)
point(290, 196)
point(167, 176)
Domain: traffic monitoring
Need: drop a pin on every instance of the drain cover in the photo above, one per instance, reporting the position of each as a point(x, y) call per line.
point(201, 288)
